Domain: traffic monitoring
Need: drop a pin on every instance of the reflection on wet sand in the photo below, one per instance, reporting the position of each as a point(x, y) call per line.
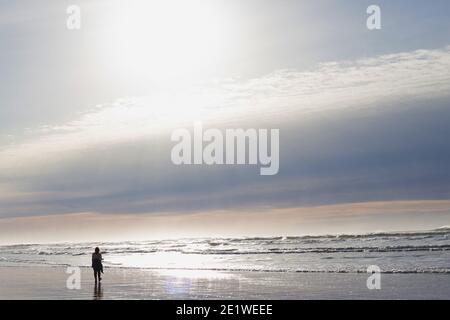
point(98, 291)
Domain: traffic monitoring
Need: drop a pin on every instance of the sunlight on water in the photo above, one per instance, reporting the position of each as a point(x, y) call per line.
point(393, 252)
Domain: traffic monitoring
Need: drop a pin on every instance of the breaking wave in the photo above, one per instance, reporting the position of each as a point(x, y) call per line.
point(397, 252)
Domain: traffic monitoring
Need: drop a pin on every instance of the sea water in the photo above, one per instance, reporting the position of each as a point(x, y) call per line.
point(393, 252)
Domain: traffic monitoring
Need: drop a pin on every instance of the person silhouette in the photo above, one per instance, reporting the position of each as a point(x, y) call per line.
point(97, 264)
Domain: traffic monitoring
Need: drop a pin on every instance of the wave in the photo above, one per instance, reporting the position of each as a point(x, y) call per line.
point(445, 247)
point(32, 263)
point(432, 232)
point(409, 241)
point(281, 270)
point(250, 250)
point(214, 241)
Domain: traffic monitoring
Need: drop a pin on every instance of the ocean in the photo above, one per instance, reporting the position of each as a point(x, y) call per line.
point(392, 252)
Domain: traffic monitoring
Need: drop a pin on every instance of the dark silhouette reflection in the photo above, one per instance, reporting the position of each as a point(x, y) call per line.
point(98, 291)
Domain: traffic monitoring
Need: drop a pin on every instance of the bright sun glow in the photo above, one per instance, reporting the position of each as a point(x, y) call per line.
point(160, 40)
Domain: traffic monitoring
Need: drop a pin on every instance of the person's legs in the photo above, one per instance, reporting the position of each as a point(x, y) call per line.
point(97, 275)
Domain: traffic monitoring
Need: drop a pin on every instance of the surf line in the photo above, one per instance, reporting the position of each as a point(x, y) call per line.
point(235, 147)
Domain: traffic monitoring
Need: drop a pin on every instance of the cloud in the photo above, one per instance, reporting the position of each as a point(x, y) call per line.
point(285, 93)
point(369, 129)
point(293, 221)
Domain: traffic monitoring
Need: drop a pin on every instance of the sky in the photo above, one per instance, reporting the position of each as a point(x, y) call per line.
point(86, 118)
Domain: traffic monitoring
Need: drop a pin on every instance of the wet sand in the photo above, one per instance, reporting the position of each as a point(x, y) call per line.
point(50, 283)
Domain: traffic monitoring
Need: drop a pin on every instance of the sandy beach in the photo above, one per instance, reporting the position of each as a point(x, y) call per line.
point(124, 283)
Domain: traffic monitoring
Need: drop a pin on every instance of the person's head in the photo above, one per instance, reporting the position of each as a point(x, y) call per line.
point(97, 250)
